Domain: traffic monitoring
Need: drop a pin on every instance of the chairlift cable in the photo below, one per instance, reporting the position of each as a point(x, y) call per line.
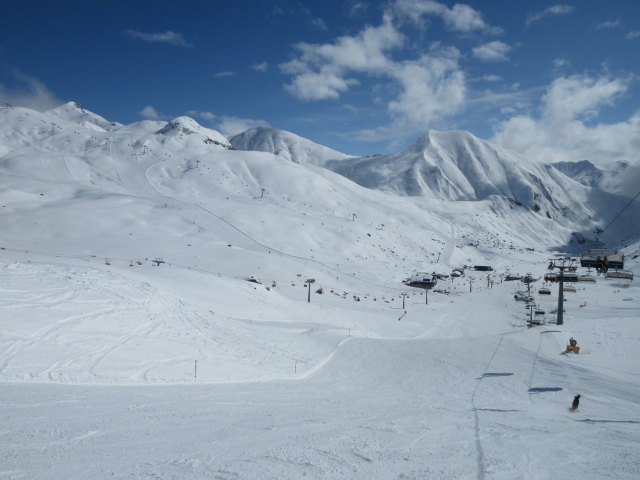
point(620, 212)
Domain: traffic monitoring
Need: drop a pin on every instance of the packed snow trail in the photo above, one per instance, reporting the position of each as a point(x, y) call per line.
point(378, 409)
point(462, 395)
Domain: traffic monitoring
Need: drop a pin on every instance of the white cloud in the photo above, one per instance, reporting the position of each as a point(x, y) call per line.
point(260, 67)
point(364, 52)
point(30, 93)
point(322, 85)
point(169, 37)
point(580, 97)
point(492, 78)
point(150, 113)
point(459, 18)
point(492, 52)
point(425, 89)
point(515, 100)
point(319, 24)
point(224, 74)
point(432, 87)
point(319, 70)
point(555, 10)
point(561, 130)
point(356, 7)
point(632, 35)
point(204, 115)
point(230, 126)
point(608, 24)
point(559, 63)
point(463, 18)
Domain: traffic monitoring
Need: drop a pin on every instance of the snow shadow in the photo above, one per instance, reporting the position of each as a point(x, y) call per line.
point(544, 389)
point(589, 420)
point(607, 206)
point(496, 374)
point(500, 410)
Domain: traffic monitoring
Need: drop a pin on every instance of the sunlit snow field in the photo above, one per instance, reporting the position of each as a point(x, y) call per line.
point(113, 366)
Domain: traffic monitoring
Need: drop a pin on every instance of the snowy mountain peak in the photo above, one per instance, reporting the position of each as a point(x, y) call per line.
point(285, 145)
point(584, 171)
point(436, 139)
point(181, 125)
point(185, 127)
point(449, 166)
point(74, 112)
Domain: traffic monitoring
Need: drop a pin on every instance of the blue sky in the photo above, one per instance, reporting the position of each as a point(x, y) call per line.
point(555, 81)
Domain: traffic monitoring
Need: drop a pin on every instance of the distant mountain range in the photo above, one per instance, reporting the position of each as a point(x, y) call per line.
point(446, 166)
point(451, 177)
point(622, 178)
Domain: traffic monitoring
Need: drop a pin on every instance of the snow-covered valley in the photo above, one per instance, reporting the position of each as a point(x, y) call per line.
point(219, 360)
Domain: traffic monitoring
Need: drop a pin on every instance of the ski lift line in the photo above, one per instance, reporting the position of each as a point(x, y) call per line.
point(186, 267)
point(620, 212)
point(297, 257)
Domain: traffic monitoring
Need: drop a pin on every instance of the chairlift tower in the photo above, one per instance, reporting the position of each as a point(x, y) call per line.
point(309, 282)
point(530, 306)
point(562, 265)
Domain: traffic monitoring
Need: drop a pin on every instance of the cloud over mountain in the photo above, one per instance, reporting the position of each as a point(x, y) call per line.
point(562, 129)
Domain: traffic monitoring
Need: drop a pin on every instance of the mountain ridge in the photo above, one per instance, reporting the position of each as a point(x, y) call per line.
point(286, 145)
point(439, 170)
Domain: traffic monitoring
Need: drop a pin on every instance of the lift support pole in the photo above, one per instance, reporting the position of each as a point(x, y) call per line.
point(560, 317)
point(562, 267)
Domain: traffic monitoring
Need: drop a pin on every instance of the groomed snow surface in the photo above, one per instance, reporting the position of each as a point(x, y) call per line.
point(100, 381)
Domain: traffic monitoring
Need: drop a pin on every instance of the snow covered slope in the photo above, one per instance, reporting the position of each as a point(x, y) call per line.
point(78, 188)
point(455, 166)
point(75, 113)
point(174, 308)
point(286, 145)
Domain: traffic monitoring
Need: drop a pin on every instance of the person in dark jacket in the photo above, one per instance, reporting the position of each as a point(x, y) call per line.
point(576, 402)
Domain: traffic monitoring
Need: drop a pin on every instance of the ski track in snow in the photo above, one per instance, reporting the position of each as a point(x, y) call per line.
point(507, 389)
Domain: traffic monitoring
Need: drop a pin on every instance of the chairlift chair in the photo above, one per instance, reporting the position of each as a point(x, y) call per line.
point(483, 268)
point(614, 257)
point(620, 274)
point(587, 278)
point(566, 277)
point(535, 322)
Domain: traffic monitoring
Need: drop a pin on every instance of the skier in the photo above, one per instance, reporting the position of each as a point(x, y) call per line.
point(576, 402)
point(605, 265)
